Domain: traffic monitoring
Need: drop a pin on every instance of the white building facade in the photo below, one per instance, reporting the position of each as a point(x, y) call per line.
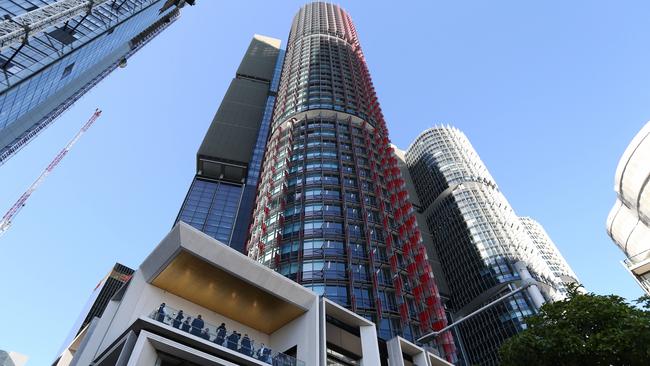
point(628, 223)
point(249, 315)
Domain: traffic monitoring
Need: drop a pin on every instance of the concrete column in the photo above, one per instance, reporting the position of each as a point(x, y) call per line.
point(322, 332)
point(369, 345)
point(395, 353)
point(143, 352)
point(420, 359)
point(533, 291)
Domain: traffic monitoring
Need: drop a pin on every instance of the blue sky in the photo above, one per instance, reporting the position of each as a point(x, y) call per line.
point(550, 94)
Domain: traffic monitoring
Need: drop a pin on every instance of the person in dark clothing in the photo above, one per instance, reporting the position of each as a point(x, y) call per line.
point(233, 340)
point(264, 354)
point(186, 324)
point(205, 333)
point(221, 334)
point(178, 319)
point(197, 325)
point(246, 346)
point(160, 314)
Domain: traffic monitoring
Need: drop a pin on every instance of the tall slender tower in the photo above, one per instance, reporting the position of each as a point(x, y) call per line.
point(484, 248)
point(331, 211)
point(61, 50)
point(222, 194)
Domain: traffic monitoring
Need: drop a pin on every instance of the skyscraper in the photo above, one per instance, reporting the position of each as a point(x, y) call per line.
point(222, 194)
point(549, 251)
point(484, 248)
point(628, 223)
point(331, 210)
point(56, 64)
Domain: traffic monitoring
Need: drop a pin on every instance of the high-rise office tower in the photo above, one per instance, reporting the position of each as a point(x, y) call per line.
point(427, 241)
point(70, 49)
point(549, 252)
point(222, 194)
point(628, 223)
point(483, 247)
point(331, 210)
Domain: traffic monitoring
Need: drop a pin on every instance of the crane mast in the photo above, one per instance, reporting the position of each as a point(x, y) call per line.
point(8, 218)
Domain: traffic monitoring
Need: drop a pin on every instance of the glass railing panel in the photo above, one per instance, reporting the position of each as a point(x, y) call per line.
point(219, 335)
point(640, 257)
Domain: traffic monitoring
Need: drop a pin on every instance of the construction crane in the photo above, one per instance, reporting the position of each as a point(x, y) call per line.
point(20, 27)
point(8, 218)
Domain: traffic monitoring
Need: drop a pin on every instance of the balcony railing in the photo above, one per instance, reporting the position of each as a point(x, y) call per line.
point(219, 335)
point(638, 258)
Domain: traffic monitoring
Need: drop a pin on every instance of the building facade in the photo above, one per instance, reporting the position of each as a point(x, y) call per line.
point(195, 301)
point(99, 299)
point(12, 359)
point(101, 296)
point(221, 197)
point(45, 75)
point(549, 252)
point(434, 259)
point(331, 210)
point(479, 241)
point(628, 223)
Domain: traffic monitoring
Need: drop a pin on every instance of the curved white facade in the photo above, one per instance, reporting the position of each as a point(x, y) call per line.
point(628, 223)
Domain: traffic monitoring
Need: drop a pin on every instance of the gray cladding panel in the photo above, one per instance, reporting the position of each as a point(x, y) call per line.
point(232, 134)
point(259, 61)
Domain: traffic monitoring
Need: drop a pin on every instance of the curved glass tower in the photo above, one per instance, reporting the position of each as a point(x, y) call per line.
point(485, 249)
point(331, 210)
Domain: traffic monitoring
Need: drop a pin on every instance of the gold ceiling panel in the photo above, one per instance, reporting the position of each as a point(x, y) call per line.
point(200, 282)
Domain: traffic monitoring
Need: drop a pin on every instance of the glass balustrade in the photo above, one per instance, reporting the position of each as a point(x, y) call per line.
point(221, 335)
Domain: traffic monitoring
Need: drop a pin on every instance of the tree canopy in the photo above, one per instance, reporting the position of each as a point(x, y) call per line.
point(585, 329)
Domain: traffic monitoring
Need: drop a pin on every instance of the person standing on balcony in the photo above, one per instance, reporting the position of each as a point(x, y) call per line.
point(246, 346)
point(233, 340)
point(160, 314)
point(221, 334)
point(205, 333)
point(186, 324)
point(260, 352)
point(179, 318)
point(197, 325)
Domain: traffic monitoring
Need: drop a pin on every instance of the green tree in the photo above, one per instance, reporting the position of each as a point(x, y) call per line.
point(585, 329)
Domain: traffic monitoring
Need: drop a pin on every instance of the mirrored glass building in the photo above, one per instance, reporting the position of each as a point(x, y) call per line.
point(47, 69)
